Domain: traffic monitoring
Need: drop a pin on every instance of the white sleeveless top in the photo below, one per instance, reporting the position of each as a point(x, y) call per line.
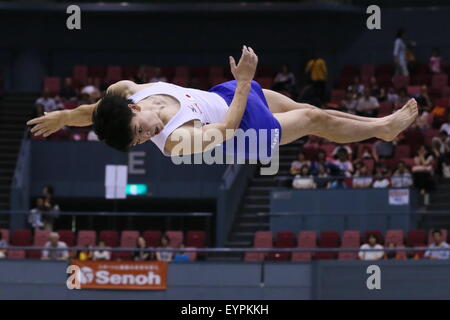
point(208, 107)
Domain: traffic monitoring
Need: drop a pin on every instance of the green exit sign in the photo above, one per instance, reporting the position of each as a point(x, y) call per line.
point(136, 189)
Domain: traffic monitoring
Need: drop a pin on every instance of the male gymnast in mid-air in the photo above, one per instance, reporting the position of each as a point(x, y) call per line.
point(165, 113)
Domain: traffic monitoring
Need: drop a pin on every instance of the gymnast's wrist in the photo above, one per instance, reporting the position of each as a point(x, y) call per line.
point(244, 84)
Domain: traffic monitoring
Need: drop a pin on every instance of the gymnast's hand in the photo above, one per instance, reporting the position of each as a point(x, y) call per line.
point(49, 123)
point(246, 68)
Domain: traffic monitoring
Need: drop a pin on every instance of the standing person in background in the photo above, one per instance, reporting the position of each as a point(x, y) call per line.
point(435, 61)
point(51, 207)
point(284, 80)
point(316, 69)
point(401, 67)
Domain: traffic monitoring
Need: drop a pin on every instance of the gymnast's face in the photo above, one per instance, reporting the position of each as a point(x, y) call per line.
point(145, 124)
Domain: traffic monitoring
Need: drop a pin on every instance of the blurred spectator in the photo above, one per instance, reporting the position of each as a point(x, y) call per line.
point(392, 96)
point(321, 161)
point(338, 183)
point(367, 153)
point(3, 245)
point(52, 208)
point(371, 244)
point(67, 90)
point(140, 254)
point(55, 243)
point(284, 80)
point(438, 243)
point(441, 143)
point(321, 180)
point(349, 103)
point(299, 163)
point(401, 67)
point(46, 103)
point(435, 61)
point(392, 254)
point(343, 162)
point(402, 98)
point(181, 256)
point(316, 70)
point(381, 179)
point(35, 216)
point(373, 87)
point(158, 76)
point(92, 136)
point(346, 147)
point(101, 254)
point(304, 180)
point(367, 105)
point(383, 150)
point(361, 177)
point(164, 255)
point(142, 75)
point(423, 98)
point(356, 87)
point(85, 255)
point(446, 126)
point(423, 171)
point(91, 90)
point(401, 178)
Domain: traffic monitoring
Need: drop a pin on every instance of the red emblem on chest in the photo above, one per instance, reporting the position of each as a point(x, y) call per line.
point(187, 95)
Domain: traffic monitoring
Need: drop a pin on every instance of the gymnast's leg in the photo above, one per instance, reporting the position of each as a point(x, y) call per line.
point(280, 103)
point(305, 121)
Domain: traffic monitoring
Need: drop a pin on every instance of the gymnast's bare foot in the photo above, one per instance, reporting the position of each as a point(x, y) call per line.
point(399, 121)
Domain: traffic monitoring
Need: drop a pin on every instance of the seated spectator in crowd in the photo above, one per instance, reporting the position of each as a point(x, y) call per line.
point(371, 244)
point(403, 98)
point(55, 243)
point(367, 153)
point(338, 183)
point(102, 253)
point(322, 177)
point(92, 136)
point(423, 171)
point(349, 103)
point(35, 216)
point(142, 75)
point(423, 98)
point(438, 243)
point(299, 163)
point(85, 255)
point(158, 76)
point(321, 161)
point(339, 147)
point(392, 96)
point(392, 254)
point(361, 177)
point(164, 255)
point(343, 162)
point(67, 91)
point(46, 103)
point(435, 61)
point(440, 143)
point(304, 180)
point(91, 90)
point(140, 254)
point(381, 179)
point(52, 208)
point(3, 245)
point(401, 178)
point(181, 256)
point(374, 87)
point(367, 105)
point(383, 150)
point(284, 80)
point(356, 87)
point(446, 126)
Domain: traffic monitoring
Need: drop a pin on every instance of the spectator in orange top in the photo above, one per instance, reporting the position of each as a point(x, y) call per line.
point(317, 72)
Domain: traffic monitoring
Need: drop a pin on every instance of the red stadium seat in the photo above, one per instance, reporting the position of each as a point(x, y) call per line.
point(328, 239)
point(283, 240)
point(442, 102)
point(350, 239)
point(402, 151)
point(182, 72)
point(68, 236)
point(217, 80)
point(386, 108)
point(408, 161)
point(181, 81)
point(153, 238)
point(128, 72)
point(400, 81)
point(80, 74)
point(384, 80)
point(417, 238)
point(420, 79)
point(40, 239)
point(195, 239)
point(328, 148)
point(439, 82)
point(367, 70)
point(263, 240)
point(216, 72)
point(386, 69)
point(265, 71)
point(21, 237)
point(97, 71)
point(52, 84)
point(265, 82)
point(394, 236)
point(128, 239)
point(110, 237)
point(369, 163)
point(429, 135)
point(306, 240)
point(337, 96)
point(413, 90)
point(113, 74)
point(15, 254)
point(86, 238)
point(350, 70)
point(176, 238)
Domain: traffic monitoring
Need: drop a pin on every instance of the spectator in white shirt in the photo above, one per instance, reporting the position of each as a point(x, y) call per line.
point(3, 244)
point(343, 163)
point(46, 103)
point(367, 105)
point(101, 253)
point(356, 87)
point(299, 163)
point(371, 244)
point(362, 178)
point(92, 136)
point(304, 180)
point(381, 179)
point(401, 178)
point(55, 243)
point(438, 242)
point(446, 126)
point(158, 76)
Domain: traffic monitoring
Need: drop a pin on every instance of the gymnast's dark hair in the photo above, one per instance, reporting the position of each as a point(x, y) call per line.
point(111, 122)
